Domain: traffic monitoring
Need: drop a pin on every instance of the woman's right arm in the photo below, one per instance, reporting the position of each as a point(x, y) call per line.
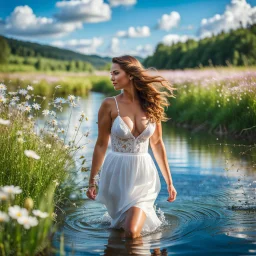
point(104, 128)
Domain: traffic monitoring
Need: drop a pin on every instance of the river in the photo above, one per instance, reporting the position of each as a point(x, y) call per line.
point(214, 213)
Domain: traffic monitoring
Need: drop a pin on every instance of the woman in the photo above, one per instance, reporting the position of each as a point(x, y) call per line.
point(129, 181)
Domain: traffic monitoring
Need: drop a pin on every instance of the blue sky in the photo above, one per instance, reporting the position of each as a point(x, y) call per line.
point(115, 27)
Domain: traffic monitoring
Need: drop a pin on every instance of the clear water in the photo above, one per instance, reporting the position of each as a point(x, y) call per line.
point(214, 213)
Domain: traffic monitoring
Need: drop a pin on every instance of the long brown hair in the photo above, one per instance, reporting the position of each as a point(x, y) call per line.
point(153, 91)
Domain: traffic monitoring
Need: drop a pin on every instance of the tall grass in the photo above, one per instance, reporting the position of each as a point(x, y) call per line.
point(37, 160)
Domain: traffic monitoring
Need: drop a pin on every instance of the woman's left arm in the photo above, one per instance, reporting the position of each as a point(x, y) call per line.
point(158, 148)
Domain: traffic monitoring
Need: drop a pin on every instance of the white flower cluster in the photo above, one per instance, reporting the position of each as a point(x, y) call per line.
point(21, 215)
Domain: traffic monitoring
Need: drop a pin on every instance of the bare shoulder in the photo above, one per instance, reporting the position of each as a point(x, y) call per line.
point(106, 107)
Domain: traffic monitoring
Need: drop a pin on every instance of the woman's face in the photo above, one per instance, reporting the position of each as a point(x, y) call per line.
point(119, 77)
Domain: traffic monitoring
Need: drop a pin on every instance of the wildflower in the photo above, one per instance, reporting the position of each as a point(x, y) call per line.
point(73, 104)
point(2, 98)
point(11, 189)
point(71, 98)
point(4, 122)
point(61, 130)
point(20, 140)
point(82, 114)
point(40, 214)
point(27, 108)
point(48, 146)
point(31, 154)
point(15, 98)
point(3, 196)
point(36, 106)
point(30, 88)
point(12, 93)
point(45, 112)
point(3, 217)
point(53, 113)
point(59, 101)
point(28, 97)
point(54, 122)
point(2, 87)
point(16, 212)
point(23, 92)
point(27, 221)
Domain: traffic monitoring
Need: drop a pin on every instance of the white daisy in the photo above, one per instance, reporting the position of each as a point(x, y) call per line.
point(54, 122)
point(28, 97)
point(3, 217)
point(3, 196)
point(11, 189)
point(16, 212)
point(2, 98)
point(31, 154)
point(36, 106)
point(40, 214)
point(45, 112)
point(16, 98)
point(71, 98)
point(30, 88)
point(59, 101)
point(28, 108)
point(61, 130)
point(27, 221)
point(2, 87)
point(4, 122)
point(23, 92)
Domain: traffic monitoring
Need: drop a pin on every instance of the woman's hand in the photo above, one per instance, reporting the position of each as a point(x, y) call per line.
point(172, 193)
point(91, 193)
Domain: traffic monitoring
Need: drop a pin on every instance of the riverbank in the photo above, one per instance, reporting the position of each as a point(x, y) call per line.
point(38, 170)
point(218, 100)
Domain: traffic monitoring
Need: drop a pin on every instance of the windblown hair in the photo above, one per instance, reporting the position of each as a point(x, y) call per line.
point(153, 91)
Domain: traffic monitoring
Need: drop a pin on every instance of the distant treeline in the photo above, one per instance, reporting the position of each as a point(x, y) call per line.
point(29, 49)
point(237, 48)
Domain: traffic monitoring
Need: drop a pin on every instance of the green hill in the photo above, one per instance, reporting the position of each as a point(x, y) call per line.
point(29, 49)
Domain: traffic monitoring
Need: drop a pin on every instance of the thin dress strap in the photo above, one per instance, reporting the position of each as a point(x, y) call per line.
point(116, 105)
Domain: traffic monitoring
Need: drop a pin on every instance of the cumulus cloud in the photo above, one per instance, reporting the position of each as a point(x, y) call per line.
point(91, 11)
point(114, 47)
point(237, 13)
point(23, 22)
point(173, 39)
point(115, 3)
point(169, 21)
point(134, 32)
point(143, 50)
point(85, 46)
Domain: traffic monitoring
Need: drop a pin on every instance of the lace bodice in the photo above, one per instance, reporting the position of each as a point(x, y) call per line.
point(122, 139)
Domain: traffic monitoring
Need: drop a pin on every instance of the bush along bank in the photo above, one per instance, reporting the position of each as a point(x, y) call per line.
point(224, 107)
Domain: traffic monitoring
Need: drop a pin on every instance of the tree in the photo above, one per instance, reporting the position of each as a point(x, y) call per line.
point(5, 51)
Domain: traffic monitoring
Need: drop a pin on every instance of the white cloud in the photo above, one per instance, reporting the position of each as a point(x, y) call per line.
point(85, 46)
point(90, 11)
point(114, 47)
point(170, 21)
point(143, 50)
point(23, 22)
point(173, 39)
point(134, 32)
point(115, 3)
point(237, 12)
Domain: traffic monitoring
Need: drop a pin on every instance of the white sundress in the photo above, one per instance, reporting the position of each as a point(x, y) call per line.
point(129, 176)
